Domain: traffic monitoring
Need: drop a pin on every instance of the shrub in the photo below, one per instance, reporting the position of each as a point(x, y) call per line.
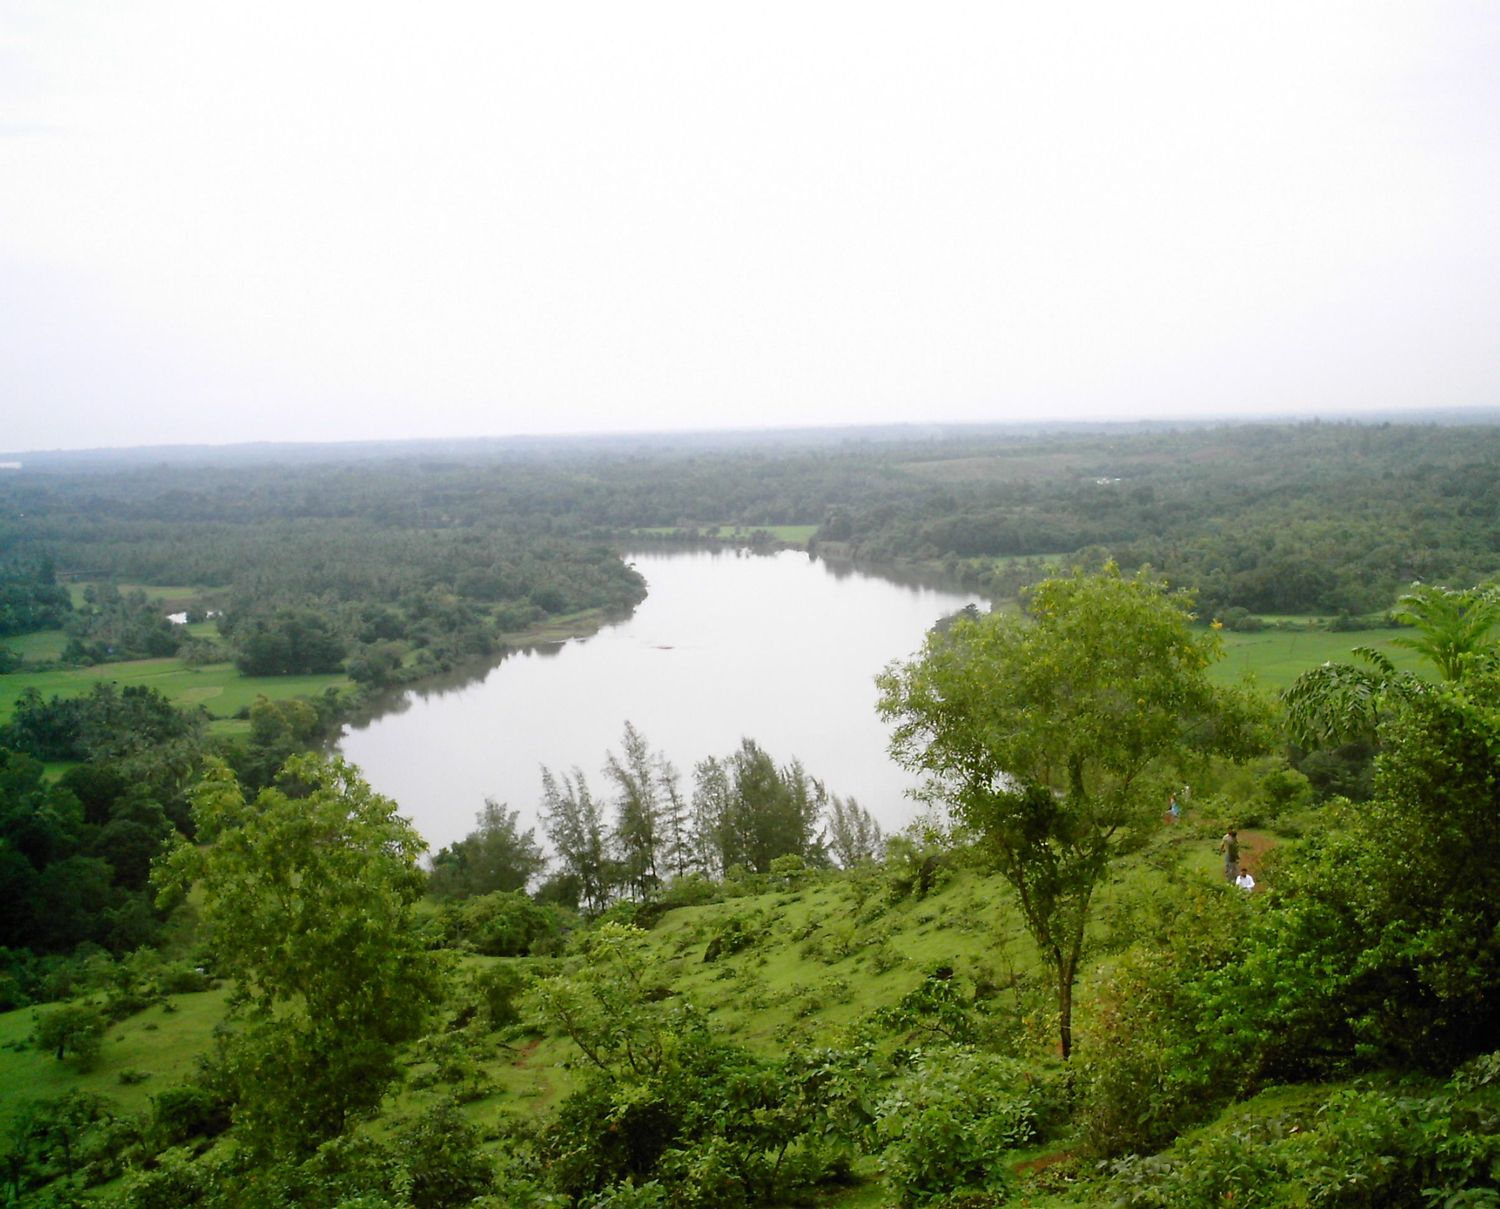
point(506, 923)
point(187, 1111)
point(1362, 1146)
point(1161, 1061)
point(950, 1120)
point(735, 934)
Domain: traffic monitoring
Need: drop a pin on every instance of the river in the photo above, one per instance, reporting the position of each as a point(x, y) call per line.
point(780, 648)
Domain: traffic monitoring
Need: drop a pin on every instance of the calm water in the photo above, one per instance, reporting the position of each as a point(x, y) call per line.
point(778, 648)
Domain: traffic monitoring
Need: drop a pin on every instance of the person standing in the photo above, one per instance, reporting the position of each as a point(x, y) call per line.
point(1230, 847)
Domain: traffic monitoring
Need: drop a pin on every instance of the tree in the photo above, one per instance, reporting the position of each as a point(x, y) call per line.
point(749, 812)
point(76, 1028)
point(1452, 626)
point(576, 828)
point(497, 856)
point(643, 782)
point(1053, 736)
point(853, 833)
point(1339, 702)
point(308, 894)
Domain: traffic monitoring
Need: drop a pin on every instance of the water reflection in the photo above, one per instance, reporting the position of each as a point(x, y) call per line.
point(728, 644)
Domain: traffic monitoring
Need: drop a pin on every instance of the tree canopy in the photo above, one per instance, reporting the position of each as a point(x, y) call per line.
point(1054, 735)
point(308, 891)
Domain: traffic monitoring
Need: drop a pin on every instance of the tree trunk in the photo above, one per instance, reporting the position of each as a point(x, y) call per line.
point(1065, 1007)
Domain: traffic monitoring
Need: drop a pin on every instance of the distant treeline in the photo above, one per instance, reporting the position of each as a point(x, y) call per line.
point(442, 553)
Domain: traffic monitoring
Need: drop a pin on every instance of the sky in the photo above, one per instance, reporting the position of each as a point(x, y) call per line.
point(273, 221)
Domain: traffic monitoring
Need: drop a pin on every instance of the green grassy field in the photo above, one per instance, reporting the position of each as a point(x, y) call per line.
point(44, 646)
point(1277, 657)
point(177, 596)
point(218, 687)
point(792, 535)
point(161, 1042)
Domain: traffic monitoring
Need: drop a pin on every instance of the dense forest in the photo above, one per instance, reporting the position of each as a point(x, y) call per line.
point(1322, 518)
point(229, 977)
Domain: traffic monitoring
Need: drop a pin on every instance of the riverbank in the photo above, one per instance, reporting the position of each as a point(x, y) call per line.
point(225, 694)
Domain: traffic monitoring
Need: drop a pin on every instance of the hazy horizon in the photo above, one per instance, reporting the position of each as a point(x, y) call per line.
point(229, 224)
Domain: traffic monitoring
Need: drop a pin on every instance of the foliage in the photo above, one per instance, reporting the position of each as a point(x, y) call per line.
point(668, 1107)
point(574, 823)
point(1383, 944)
point(749, 812)
point(1453, 627)
point(853, 833)
point(1361, 1146)
point(496, 855)
point(505, 924)
point(75, 1137)
point(187, 1111)
point(31, 598)
point(948, 1122)
point(114, 625)
point(915, 865)
point(287, 642)
point(74, 1029)
point(1161, 1061)
point(106, 723)
point(308, 892)
point(1053, 736)
point(75, 854)
point(649, 834)
point(1375, 944)
point(938, 1009)
point(1338, 702)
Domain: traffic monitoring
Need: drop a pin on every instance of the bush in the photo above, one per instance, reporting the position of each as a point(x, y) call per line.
point(690, 890)
point(441, 1160)
point(506, 923)
point(913, 867)
point(735, 934)
point(951, 1119)
point(1363, 1146)
point(187, 1111)
point(1161, 1060)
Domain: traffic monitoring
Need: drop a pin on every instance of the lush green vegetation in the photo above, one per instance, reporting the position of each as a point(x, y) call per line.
point(228, 989)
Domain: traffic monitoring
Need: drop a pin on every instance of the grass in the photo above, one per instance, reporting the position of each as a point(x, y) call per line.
point(1277, 657)
point(218, 687)
point(792, 535)
point(827, 952)
point(163, 1042)
point(44, 646)
point(168, 596)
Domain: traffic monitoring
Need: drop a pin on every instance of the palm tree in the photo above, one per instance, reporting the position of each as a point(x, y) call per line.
point(1338, 702)
point(1452, 626)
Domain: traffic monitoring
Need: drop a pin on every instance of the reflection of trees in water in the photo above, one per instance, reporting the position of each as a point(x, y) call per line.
point(399, 698)
point(906, 577)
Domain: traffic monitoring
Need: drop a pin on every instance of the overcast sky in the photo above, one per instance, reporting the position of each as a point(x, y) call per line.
point(316, 221)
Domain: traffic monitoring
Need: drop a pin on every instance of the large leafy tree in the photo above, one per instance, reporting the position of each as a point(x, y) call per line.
point(307, 901)
point(1053, 735)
